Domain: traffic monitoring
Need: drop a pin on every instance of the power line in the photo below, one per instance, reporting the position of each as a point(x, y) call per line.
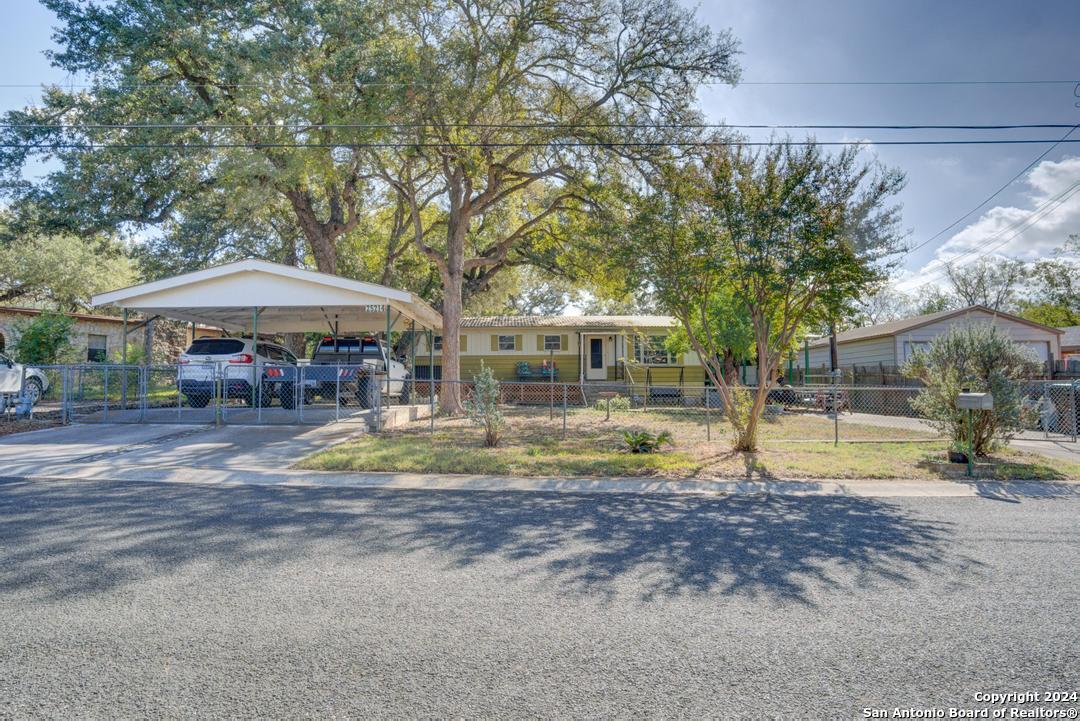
point(226, 84)
point(521, 126)
point(1041, 211)
point(522, 144)
point(993, 195)
point(907, 82)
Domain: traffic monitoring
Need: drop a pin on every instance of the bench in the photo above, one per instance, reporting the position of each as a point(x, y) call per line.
point(545, 372)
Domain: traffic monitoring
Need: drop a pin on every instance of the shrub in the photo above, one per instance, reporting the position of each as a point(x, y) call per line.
point(618, 403)
point(983, 359)
point(483, 408)
point(638, 441)
point(43, 339)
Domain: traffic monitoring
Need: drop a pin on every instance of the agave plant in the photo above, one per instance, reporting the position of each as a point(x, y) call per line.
point(638, 441)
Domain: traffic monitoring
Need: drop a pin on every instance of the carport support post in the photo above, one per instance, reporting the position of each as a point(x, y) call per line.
point(387, 352)
point(412, 361)
point(431, 377)
point(123, 364)
point(255, 359)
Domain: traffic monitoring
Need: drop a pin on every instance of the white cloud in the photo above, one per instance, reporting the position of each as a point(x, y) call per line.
point(1051, 213)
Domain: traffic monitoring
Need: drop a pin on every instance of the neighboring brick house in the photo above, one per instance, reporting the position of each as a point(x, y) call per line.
point(96, 338)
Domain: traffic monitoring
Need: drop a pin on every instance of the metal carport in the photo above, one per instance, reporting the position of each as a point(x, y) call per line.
point(251, 297)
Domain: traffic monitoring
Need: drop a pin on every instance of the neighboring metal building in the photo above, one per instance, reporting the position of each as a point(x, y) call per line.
point(891, 344)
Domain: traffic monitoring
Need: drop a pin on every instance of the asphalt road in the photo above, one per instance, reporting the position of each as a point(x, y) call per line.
point(136, 600)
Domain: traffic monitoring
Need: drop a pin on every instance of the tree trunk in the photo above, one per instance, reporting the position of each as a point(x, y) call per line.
point(450, 398)
point(834, 359)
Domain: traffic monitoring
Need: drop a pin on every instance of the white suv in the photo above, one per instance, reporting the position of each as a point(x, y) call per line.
point(230, 362)
point(11, 375)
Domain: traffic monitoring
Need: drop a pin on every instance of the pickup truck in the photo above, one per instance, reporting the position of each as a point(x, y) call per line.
point(343, 362)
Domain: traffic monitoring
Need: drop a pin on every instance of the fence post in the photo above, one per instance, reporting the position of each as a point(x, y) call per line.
point(65, 388)
point(708, 423)
point(551, 386)
point(1073, 387)
point(144, 391)
point(564, 392)
point(836, 406)
point(105, 398)
point(378, 404)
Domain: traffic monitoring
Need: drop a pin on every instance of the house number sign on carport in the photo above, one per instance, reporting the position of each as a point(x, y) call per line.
point(374, 308)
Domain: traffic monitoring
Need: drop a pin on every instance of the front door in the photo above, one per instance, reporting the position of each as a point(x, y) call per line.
point(596, 359)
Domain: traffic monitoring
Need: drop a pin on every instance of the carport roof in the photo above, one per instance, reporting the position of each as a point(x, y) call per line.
point(289, 300)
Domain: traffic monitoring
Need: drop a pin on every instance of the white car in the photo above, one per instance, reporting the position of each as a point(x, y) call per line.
point(11, 374)
point(231, 362)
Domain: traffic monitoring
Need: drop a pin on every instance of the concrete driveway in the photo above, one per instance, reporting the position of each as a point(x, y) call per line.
point(56, 451)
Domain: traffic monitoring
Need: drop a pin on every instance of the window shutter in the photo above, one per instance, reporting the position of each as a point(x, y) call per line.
point(564, 342)
point(463, 343)
point(517, 342)
point(494, 343)
point(540, 342)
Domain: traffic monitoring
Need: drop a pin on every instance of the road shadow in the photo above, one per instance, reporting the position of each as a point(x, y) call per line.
point(62, 539)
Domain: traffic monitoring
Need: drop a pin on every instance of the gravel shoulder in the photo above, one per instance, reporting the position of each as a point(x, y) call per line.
point(142, 599)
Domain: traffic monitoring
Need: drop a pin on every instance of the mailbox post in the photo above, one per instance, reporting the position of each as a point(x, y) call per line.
point(972, 402)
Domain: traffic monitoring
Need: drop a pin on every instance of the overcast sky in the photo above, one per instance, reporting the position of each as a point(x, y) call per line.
point(861, 40)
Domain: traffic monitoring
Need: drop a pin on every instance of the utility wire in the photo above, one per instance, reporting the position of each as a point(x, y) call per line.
point(226, 84)
point(510, 144)
point(993, 195)
point(520, 126)
point(1041, 211)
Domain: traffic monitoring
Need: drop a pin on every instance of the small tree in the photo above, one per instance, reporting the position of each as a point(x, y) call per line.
point(44, 339)
point(983, 359)
point(748, 248)
point(483, 409)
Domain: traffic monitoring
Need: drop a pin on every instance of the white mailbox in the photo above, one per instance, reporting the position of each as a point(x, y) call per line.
point(975, 401)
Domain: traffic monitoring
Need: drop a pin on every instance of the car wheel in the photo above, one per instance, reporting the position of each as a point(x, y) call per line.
point(363, 393)
point(287, 396)
point(34, 390)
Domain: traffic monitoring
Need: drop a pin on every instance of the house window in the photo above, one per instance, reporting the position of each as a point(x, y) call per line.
point(96, 348)
point(463, 343)
point(911, 346)
point(651, 351)
point(506, 342)
point(553, 342)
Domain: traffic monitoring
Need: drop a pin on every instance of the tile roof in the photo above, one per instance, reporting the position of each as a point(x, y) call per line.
point(568, 321)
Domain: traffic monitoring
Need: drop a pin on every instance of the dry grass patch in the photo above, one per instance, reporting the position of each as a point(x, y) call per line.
point(793, 446)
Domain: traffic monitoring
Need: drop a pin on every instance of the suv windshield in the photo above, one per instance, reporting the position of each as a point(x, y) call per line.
point(216, 346)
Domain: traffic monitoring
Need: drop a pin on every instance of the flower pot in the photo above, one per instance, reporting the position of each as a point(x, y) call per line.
point(957, 457)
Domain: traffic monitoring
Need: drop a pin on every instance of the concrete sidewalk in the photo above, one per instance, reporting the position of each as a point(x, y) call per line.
point(238, 476)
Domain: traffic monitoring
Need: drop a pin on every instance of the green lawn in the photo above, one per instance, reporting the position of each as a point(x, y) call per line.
point(593, 447)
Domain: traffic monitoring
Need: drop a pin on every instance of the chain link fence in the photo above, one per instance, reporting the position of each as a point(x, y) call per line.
point(317, 394)
point(838, 413)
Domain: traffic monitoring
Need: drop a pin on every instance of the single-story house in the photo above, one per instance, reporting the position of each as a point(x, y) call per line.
point(891, 344)
point(583, 348)
point(1070, 343)
point(96, 337)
